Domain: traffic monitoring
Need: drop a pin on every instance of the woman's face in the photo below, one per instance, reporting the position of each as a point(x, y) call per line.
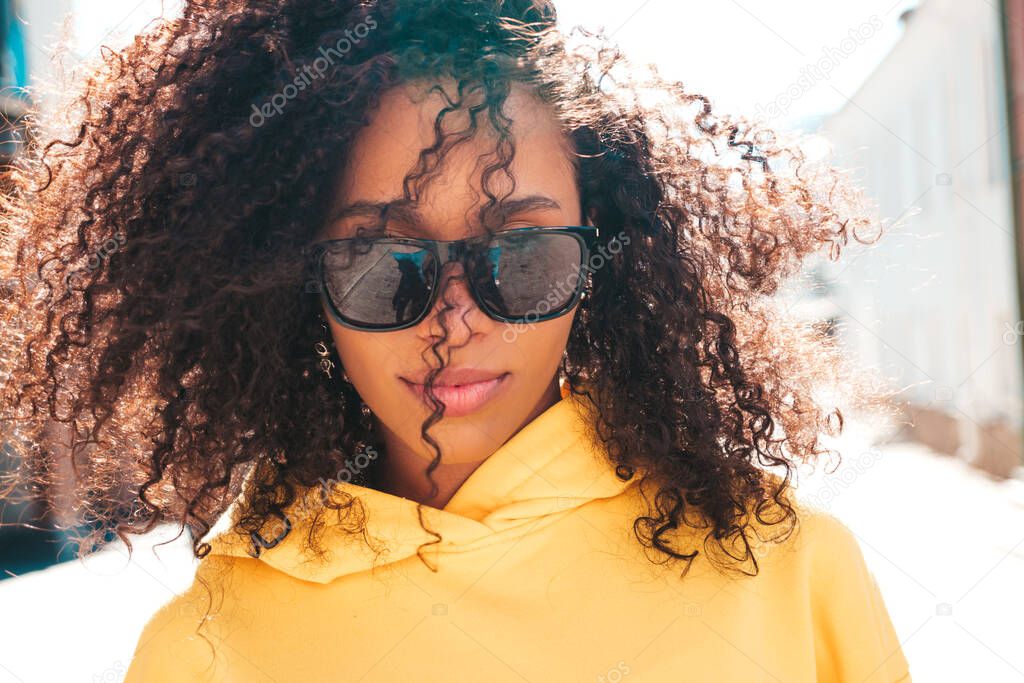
point(522, 359)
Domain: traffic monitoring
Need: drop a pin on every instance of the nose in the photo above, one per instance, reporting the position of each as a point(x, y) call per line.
point(455, 315)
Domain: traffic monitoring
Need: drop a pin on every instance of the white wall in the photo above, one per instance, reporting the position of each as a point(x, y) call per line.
point(935, 301)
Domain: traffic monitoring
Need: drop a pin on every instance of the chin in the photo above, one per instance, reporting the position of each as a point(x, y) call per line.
point(469, 438)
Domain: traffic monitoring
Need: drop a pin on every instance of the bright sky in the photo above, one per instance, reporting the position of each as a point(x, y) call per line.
point(744, 55)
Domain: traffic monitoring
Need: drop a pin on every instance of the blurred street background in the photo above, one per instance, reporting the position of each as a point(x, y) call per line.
point(924, 103)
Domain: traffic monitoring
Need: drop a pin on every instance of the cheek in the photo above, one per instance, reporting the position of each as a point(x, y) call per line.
point(367, 358)
point(541, 346)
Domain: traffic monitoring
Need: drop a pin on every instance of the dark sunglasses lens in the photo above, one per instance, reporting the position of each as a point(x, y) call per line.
point(530, 276)
point(378, 284)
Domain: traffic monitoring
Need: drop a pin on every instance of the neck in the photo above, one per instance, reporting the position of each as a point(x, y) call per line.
point(402, 471)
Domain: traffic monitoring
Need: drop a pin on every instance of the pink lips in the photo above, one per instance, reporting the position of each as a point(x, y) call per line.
point(462, 390)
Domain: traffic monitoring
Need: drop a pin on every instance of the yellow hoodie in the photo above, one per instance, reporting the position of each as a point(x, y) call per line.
point(539, 578)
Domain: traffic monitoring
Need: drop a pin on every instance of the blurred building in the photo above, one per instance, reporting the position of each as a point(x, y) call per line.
point(21, 547)
point(31, 537)
point(13, 78)
point(1012, 17)
point(935, 303)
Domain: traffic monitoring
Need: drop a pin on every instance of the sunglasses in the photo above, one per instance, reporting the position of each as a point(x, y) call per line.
point(522, 275)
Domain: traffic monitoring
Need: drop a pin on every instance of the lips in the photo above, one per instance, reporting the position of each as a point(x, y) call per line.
point(462, 390)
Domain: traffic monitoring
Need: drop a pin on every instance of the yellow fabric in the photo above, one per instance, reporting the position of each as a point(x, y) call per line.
point(539, 578)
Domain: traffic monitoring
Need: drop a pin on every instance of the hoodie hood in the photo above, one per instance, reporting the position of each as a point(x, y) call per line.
point(551, 466)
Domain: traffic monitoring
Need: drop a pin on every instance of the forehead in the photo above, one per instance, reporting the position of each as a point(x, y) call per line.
point(388, 149)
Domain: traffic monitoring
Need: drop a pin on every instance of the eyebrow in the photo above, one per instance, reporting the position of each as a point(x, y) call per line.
point(406, 211)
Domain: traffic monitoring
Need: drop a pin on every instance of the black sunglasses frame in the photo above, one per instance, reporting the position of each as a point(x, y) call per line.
point(586, 235)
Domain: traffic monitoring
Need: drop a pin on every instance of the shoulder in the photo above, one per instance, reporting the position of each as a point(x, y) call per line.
point(176, 642)
point(819, 540)
point(821, 550)
point(853, 632)
point(826, 539)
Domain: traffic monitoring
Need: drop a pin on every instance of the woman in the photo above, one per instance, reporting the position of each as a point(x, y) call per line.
point(450, 343)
